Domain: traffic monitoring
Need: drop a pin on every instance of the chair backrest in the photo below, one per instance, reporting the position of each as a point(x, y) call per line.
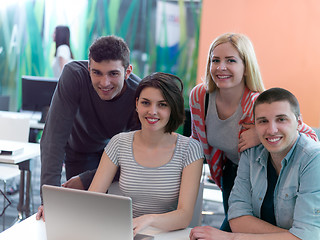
point(14, 128)
point(4, 103)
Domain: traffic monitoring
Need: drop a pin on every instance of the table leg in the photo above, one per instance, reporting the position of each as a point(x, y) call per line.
point(4, 205)
point(24, 199)
point(21, 195)
point(27, 203)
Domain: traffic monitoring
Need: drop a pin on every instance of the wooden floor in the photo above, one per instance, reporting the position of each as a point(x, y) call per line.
point(213, 213)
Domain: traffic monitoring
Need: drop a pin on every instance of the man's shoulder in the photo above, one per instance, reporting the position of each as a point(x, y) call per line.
point(308, 145)
point(81, 65)
point(75, 72)
point(133, 81)
point(257, 152)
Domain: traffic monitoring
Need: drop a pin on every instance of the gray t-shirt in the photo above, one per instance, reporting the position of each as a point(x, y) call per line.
point(223, 134)
point(152, 190)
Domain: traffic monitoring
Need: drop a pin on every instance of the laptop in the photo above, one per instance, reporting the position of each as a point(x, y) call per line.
point(78, 214)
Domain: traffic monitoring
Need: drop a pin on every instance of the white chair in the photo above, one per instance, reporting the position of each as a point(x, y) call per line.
point(15, 129)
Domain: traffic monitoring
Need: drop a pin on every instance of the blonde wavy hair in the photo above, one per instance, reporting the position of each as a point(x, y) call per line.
point(245, 48)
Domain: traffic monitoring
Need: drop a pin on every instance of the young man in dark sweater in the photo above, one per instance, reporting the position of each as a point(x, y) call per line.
point(94, 100)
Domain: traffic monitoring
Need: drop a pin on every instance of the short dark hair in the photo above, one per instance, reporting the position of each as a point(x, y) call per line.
point(276, 95)
point(171, 88)
point(110, 48)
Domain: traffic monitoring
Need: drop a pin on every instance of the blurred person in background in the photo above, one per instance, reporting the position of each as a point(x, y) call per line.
point(63, 53)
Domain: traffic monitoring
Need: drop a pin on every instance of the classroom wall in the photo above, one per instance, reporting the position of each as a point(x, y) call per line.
point(286, 37)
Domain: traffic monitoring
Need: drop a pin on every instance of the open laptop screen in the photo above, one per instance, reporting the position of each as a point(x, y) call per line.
point(77, 214)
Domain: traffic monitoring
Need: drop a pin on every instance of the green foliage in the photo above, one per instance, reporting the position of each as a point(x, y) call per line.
point(27, 49)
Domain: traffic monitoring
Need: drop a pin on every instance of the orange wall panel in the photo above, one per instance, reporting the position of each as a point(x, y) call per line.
point(286, 37)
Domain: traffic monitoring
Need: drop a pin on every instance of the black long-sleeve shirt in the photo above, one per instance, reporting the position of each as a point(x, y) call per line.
point(79, 118)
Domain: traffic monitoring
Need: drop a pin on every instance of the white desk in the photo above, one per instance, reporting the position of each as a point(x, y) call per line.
point(30, 150)
point(31, 229)
point(33, 116)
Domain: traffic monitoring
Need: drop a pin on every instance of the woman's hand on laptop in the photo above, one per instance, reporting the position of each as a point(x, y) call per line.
point(142, 222)
point(74, 182)
point(40, 213)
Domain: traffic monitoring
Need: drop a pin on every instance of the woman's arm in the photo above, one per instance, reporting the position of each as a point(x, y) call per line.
point(181, 217)
point(104, 175)
point(305, 129)
point(248, 138)
point(62, 62)
point(197, 109)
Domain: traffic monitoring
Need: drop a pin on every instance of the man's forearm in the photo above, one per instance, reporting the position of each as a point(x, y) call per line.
point(268, 236)
point(86, 178)
point(251, 224)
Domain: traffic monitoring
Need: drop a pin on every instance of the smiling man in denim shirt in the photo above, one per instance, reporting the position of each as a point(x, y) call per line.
point(277, 190)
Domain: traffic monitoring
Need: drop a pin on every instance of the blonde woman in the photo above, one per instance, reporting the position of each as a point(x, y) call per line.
point(222, 108)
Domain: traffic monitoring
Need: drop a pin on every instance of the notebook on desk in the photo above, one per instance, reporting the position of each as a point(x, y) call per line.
point(76, 214)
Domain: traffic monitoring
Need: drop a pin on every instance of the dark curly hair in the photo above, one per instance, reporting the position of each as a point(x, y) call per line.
point(110, 48)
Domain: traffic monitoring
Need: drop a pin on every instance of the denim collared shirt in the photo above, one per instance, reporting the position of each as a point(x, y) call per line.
point(296, 194)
